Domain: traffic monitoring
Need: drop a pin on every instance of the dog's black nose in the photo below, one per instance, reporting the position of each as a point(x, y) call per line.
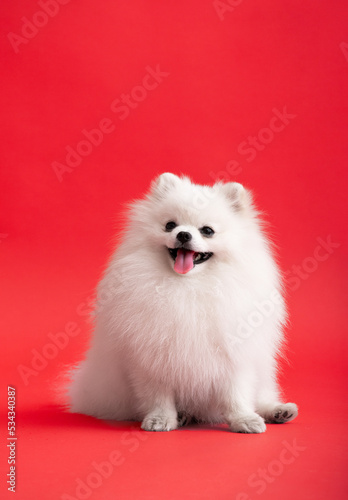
point(184, 237)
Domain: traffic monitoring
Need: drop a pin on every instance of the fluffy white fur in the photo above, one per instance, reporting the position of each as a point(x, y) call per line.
point(167, 346)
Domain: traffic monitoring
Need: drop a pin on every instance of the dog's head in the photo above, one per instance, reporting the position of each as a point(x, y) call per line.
point(195, 226)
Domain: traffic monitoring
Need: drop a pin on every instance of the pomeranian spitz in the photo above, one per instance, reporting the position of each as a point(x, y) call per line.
point(188, 317)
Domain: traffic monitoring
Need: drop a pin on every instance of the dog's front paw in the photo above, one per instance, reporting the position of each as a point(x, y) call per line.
point(159, 423)
point(248, 424)
point(283, 413)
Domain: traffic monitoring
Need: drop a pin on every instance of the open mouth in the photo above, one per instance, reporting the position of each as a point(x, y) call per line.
point(185, 260)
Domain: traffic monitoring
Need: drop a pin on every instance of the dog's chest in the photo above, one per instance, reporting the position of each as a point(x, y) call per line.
point(191, 349)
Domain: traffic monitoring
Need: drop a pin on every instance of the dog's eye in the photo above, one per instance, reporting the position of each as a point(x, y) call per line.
point(170, 226)
point(206, 231)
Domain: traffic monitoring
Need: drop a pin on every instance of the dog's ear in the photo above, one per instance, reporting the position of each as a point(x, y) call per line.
point(163, 183)
point(237, 195)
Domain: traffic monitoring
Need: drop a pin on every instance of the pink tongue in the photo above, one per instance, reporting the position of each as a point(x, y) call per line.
point(184, 261)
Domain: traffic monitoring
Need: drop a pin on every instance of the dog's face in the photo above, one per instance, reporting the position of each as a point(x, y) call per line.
point(195, 226)
point(187, 246)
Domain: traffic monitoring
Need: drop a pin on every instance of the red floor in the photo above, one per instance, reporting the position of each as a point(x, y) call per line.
point(97, 99)
point(62, 456)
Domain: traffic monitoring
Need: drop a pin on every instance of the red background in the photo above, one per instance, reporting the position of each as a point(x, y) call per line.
point(225, 78)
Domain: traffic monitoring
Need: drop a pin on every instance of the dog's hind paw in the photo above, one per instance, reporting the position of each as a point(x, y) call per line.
point(283, 413)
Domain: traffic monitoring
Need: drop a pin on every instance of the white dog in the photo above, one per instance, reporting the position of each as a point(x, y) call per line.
point(189, 316)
